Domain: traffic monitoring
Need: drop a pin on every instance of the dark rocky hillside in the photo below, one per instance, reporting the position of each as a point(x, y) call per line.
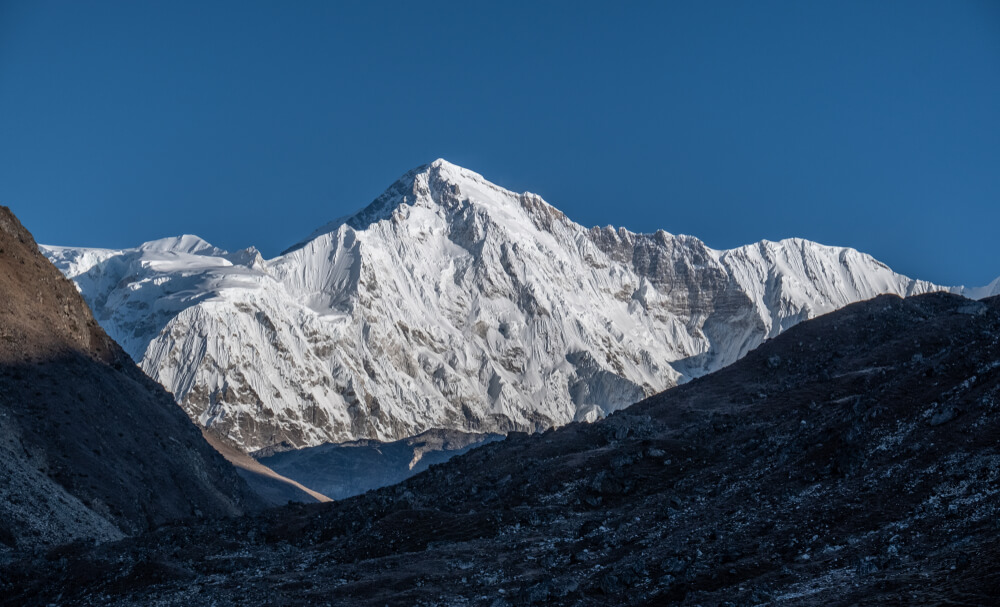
point(854, 460)
point(90, 448)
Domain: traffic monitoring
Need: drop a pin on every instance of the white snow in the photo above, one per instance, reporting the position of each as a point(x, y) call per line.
point(450, 302)
point(980, 292)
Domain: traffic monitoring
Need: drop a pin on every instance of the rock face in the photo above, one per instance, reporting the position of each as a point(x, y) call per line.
point(452, 303)
point(852, 460)
point(90, 448)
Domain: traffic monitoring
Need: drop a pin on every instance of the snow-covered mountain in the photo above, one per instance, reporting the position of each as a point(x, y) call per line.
point(980, 292)
point(450, 302)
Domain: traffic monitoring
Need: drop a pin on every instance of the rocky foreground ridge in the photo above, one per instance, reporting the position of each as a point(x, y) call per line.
point(852, 460)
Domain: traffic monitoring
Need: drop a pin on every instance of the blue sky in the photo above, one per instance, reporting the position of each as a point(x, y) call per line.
point(868, 124)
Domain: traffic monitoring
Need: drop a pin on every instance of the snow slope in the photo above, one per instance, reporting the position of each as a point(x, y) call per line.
point(981, 292)
point(450, 302)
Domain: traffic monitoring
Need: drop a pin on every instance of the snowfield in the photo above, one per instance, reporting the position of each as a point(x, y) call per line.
point(450, 302)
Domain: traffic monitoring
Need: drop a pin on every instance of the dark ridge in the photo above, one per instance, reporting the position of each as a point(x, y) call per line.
point(90, 448)
point(854, 460)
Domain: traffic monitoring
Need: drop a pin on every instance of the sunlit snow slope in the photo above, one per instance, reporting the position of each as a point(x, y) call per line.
point(450, 302)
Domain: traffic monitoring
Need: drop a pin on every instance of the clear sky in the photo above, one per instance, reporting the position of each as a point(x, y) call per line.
point(869, 124)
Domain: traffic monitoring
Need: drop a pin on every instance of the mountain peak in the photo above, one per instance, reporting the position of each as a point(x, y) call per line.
point(445, 185)
point(442, 163)
point(185, 244)
point(438, 184)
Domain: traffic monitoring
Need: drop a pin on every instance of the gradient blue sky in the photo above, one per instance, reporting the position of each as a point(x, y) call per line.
point(868, 124)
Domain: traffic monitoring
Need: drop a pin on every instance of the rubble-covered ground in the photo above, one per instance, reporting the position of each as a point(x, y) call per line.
point(854, 460)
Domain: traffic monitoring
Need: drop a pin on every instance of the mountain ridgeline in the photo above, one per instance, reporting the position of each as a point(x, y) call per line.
point(450, 303)
point(90, 448)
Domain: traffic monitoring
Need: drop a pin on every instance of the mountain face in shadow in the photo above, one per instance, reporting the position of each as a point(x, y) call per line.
point(852, 460)
point(344, 470)
point(90, 448)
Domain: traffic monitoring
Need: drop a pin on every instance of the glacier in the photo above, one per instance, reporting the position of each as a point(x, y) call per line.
point(450, 302)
